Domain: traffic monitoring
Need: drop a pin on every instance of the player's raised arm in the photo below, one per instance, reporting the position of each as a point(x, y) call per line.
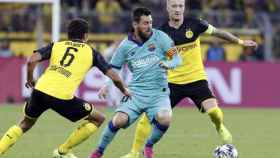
point(31, 64)
point(39, 55)
point(117, 61)
point(108, 71)
point(117, 81)
point(230, 37)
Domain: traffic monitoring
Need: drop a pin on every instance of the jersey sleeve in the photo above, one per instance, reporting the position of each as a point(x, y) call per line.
point(166, 42)
point(45, 51)
point(118, 59)
point(100, 62)
point(202, 26)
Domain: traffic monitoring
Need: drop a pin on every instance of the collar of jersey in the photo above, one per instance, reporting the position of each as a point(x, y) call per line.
point(130, 37)
point(77, 40)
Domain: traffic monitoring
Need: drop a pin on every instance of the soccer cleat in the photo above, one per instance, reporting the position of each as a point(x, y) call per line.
point(148, 152)
point(225, 135)
point(96, 154)
point(131, 155)
point(56, 154)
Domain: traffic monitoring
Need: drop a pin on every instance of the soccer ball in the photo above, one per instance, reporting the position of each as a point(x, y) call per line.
point(225, 151)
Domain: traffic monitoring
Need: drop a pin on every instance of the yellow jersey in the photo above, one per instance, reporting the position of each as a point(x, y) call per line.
point(69, 61)
point(186, 39)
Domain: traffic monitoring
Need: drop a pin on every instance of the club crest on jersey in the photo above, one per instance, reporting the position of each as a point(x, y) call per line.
point(151, 47)
point(131, 54)
point(189, 33)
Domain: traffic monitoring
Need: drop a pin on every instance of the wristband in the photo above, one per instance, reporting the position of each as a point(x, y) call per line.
point(240, 41)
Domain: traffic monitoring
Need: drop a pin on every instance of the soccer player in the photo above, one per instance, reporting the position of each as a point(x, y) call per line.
point(145, 50)
point(189, 79)
point(69, 61)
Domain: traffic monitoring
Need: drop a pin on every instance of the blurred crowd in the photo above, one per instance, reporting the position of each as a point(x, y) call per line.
point(242, 5)
point(112, 16)
point(221, 13)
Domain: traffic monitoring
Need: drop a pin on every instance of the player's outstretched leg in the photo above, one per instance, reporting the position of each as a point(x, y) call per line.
point(143, 130)
point(14, 133)
point(160, 125)
point(120, 120)
point(217, 117)
point(84, 131)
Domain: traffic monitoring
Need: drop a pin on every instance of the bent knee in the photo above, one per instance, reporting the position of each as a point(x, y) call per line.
point(209, 104)
point(100, 119)
point(97, 118)
point(26, 123)
point(164, 117)
point(120, 120)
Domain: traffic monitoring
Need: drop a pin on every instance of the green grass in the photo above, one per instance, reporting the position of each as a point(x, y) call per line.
point(255, 131)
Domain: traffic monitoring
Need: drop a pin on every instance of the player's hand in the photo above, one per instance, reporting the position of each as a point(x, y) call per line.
point(249, 43)
point(127, 95)
point(30, 84)
point(163, 65)
point(103, 92)
point(127, 92)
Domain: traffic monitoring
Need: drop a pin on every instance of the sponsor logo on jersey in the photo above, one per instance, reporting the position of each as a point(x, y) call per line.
point(60, 70)
point(147, 60)
point(185, 48)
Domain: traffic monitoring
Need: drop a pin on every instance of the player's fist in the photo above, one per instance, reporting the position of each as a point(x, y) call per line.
point(126, 92)
point(103, 92)
point(249, 43)
point(30, 84)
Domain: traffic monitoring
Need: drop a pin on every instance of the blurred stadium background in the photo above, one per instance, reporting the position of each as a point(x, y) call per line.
point(245, 81)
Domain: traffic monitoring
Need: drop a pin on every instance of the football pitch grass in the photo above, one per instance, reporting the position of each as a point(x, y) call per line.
point(191, 135)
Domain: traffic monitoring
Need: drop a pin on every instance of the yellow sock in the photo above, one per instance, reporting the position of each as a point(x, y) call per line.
point(217, 116)
point(85, 130)
point(9, 138)
point(142, 133)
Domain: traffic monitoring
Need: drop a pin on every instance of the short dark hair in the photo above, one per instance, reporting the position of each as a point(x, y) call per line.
point(138, 12)
point(77, 28)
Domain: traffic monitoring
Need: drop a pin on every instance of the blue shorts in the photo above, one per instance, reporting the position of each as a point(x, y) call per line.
point(136, 105)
